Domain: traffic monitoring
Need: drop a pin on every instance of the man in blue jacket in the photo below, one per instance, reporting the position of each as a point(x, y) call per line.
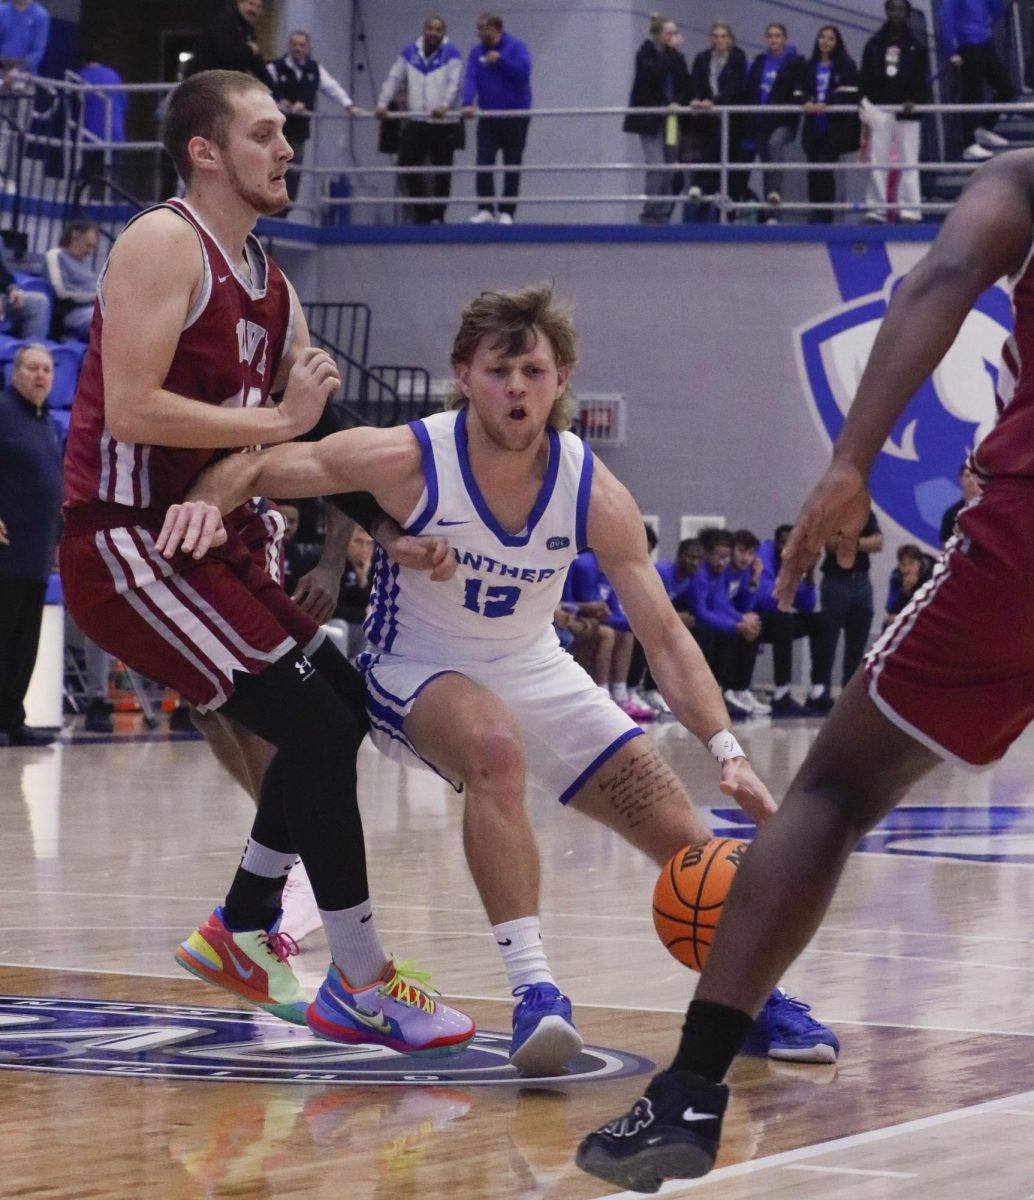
point(726, 627)
point(966, 39)
point(499, 77)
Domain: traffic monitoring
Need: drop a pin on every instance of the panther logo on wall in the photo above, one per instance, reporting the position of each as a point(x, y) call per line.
point(915, 477)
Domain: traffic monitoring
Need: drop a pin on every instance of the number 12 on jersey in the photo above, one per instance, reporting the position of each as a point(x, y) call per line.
point(498, 601)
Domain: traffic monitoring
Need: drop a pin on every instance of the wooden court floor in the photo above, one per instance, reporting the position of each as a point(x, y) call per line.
point(110, 1088)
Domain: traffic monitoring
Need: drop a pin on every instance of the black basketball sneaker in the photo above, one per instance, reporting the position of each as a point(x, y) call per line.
point(671, 1132)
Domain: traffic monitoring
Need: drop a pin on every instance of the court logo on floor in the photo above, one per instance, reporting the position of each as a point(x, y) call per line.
point(178, 1041)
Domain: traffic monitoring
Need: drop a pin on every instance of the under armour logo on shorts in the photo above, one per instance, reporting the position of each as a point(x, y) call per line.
point(303, 666)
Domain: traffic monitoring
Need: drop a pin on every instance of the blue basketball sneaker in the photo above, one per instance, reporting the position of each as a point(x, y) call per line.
point(785, 1029)
point(671, 1132)
point(544, 1036)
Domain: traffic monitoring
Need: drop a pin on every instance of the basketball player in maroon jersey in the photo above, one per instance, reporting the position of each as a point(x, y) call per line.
point(951, 679)
point(194, 330)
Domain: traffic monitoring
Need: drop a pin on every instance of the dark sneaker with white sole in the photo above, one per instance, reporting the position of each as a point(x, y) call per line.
point(671, 1132)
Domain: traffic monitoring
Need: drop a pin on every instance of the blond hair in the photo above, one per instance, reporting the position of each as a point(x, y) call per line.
point(513, 322)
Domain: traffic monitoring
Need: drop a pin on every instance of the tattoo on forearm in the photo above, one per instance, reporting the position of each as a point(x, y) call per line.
point(635, 788)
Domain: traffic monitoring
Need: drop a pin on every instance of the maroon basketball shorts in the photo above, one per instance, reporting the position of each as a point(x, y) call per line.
point(187, 624)
point(956, 669)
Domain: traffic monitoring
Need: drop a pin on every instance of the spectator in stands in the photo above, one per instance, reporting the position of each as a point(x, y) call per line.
point(431, 70)
point(354, 597)
point(727, 632)
point(228, 42)
point(661, 78)
point(582, 632)
point(30, 517)
point(913, 570)
point(677, 577)
point(847, 601)
point(98, 666)
point(103, 116)
point(24, 32)
point(970, 490)
point(782, 629)
point(771, 80)
point(587, 585)
point(25, 313)
point(895, 71)
point(73, 276)
point(966, 38)
point(297, 81)
point(718, 76)
point(829, 77)
point(499, 77)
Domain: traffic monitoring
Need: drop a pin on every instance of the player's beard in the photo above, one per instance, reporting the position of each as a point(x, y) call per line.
point(261, 202)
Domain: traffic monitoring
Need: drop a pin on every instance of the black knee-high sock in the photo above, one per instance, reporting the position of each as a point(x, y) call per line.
point(308, 798)
point(711, 1038)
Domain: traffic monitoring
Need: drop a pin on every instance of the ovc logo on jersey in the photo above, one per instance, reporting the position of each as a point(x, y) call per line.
point(915, 477)
point(558, 543)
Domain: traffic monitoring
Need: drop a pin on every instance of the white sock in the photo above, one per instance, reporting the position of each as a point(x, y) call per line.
point(270, 864)
point(354, 944)
point(619, 692)
point(815, 691)
point(780, 692)
point(520, 943)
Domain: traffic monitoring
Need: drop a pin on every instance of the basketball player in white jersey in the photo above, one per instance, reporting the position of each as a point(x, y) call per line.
point(468, 677)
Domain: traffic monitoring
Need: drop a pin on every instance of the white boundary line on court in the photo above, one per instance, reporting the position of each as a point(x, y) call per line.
point(679, 1187)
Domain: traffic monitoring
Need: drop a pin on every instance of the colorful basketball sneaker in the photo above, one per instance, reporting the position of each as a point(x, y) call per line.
point(396, 1010)
point(671, 1132)
point(544, 1036)
point(785, 1029)
point(250, 963)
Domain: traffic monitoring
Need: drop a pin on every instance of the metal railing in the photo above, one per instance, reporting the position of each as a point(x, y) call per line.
point(370, 394)
point(49, 153)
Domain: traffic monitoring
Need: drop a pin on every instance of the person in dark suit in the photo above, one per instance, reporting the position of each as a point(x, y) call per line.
point(718, 77)
point(661, 78)
point(228, 42)
point(30, 519)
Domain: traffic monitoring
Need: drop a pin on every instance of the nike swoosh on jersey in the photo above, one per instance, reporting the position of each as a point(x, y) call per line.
point(222, 278)
point(441, 522)
point(691, 1114)
point(508, 942)
point(237, 966)
point(368, 917)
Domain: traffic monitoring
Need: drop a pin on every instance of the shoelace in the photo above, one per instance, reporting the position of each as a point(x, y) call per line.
point(408, 985)
point(534, 996)
point(282, 946)
point(797, 1014)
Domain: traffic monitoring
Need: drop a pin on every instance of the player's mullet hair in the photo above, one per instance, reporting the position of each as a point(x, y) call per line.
point(202, 106)
point(513, 321)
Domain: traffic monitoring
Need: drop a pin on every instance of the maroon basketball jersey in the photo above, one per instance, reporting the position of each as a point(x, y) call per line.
point(232, 343)
point(1008, 450)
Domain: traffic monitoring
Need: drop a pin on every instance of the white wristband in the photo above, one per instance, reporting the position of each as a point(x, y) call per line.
point(724, 746)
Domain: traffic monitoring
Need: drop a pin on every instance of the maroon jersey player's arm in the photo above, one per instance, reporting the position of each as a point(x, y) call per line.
point(153, 277)
point(987, 235)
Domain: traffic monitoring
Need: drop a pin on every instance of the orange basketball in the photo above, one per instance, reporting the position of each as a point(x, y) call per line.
point(689, 895)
